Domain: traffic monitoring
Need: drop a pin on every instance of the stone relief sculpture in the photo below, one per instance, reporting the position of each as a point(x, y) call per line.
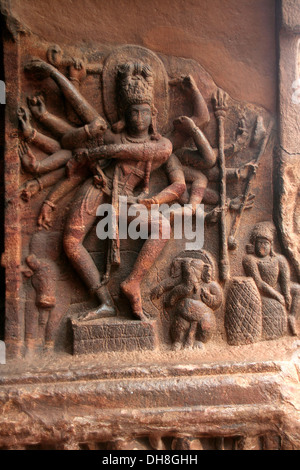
point(138, 147)
point(266, 308)
point(151, 223)
point(143, 149)
point(269, 269)
point(193, 296)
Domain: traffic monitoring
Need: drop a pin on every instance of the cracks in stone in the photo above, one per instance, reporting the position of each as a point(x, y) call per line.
point(289, 153)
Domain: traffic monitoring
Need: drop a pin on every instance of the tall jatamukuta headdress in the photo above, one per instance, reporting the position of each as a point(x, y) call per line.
point(134, 85)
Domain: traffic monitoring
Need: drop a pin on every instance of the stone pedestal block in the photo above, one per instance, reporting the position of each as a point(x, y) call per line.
point(113, 334)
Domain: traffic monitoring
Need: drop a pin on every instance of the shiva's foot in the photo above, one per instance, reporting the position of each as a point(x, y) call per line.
point(132, 291)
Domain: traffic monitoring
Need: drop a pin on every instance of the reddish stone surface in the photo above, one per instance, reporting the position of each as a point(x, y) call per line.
point(147, 344)
point(235, 43)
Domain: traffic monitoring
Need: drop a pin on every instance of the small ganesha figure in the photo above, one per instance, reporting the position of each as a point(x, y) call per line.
point(192, 299)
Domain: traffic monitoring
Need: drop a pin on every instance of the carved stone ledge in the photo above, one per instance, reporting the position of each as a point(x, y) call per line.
point(242, 402)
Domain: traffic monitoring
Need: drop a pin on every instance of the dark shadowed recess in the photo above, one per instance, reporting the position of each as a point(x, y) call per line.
point(2, 110)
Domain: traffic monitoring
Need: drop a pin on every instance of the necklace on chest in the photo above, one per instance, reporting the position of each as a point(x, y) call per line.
point(134, 140)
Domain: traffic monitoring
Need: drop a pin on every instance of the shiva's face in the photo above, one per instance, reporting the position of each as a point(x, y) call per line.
point(138, 118)
point(262, 247)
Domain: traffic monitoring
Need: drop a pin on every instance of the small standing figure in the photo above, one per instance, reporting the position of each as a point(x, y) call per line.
point(193, 298)
point(270, 271)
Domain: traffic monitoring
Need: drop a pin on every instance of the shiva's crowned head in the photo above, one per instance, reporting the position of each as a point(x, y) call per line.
point(135, 85)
